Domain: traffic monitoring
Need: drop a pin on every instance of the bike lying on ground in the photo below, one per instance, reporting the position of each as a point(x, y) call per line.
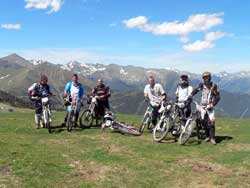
point(109, 121)
point(89, 115)
point(72, 109)
point(147, 117)
point(197, 120)
point(169, 121)
point(46, 112)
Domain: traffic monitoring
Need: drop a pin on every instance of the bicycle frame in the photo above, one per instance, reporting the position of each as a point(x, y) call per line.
point(46, 108)
point(93, 105)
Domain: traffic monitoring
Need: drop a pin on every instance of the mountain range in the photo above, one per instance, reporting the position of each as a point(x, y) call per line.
point(126, 82)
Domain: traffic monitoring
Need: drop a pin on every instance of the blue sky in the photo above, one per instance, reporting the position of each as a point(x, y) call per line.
point(183, 34)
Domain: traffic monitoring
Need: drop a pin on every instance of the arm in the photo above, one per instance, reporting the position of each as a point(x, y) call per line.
point(216, 94)
point(49, 92)
point(107, 93)
point(31, 89)
point(93, 91)
point(67, 89)
point(146, 93)
point(163, 94)
point(196, 90)
point(81, 91)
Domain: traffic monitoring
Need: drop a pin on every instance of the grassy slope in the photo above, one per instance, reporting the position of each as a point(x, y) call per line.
point(91, 158)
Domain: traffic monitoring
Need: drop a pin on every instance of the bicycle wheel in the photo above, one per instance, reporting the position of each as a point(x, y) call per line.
point(86, 119)
point(161, 130)
point(200, 131)
point(187, 132)
point(70, 122)
point(144, 123)
point(47, 123)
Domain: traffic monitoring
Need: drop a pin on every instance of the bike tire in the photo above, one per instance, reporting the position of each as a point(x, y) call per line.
point(186, 134)
point(143, 124)
point(48, 125)
point(70, 122)
point(86, 119)
point(200, 131)
point(166, 126)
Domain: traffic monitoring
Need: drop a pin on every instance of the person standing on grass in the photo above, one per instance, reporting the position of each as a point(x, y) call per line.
point(155, 93)
point(209, 99)
point(73, 90)
point(102, 94)
point(36, 92)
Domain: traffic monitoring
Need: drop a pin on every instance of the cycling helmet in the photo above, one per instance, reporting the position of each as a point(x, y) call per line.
point(109, 116)
point(206, 74)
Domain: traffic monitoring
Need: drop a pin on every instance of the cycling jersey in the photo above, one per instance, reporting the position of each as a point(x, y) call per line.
point(75, 90)
point(183, 93)
point(41, 90)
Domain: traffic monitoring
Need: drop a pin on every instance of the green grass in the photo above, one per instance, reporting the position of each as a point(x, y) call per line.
point(92, 158)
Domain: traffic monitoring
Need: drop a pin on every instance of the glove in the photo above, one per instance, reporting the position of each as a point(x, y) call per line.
point(66, 102)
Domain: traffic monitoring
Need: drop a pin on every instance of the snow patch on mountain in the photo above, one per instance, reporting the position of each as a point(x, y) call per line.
point(36, 62)
point(122, 71)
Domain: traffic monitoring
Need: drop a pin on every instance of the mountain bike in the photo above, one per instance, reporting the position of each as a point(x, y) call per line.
point(72, 112)
point(46, 112)
point(169, 122)
point(109, 121)
point(89, 115)
point(147, 117)
point(194, 121)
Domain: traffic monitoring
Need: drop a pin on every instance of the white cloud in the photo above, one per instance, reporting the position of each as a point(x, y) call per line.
point(194, 23)
point(184, 39)
point(137, 22)
point(205, 44)
point(55, 5)
point(11, 26)
point(212, 36)
point(198, 46)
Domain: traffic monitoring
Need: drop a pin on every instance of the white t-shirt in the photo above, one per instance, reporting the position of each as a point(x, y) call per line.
point(183, 93)
point(74, 91)
point(154, 92)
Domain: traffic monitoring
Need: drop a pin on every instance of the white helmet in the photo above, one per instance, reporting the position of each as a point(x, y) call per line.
point(109, 116)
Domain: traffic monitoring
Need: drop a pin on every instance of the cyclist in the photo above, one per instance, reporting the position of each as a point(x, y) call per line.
point(36, 91)
point(183, 96)
point(102, 92)
point(73, 89)
point(155, 93)
point(210, 97)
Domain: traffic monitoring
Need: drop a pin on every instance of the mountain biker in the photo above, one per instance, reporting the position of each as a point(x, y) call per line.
point(102, 93)
point(183, 93)
point(210, 97)
point(73, 89)
point(155, 93)
point(36, 91)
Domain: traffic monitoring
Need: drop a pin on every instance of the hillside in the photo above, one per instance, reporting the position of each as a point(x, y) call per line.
point(92, 158)
point(126, 83)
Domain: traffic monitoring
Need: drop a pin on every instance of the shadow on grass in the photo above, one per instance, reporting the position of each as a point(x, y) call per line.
point(60, 128)
point(220, 139)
